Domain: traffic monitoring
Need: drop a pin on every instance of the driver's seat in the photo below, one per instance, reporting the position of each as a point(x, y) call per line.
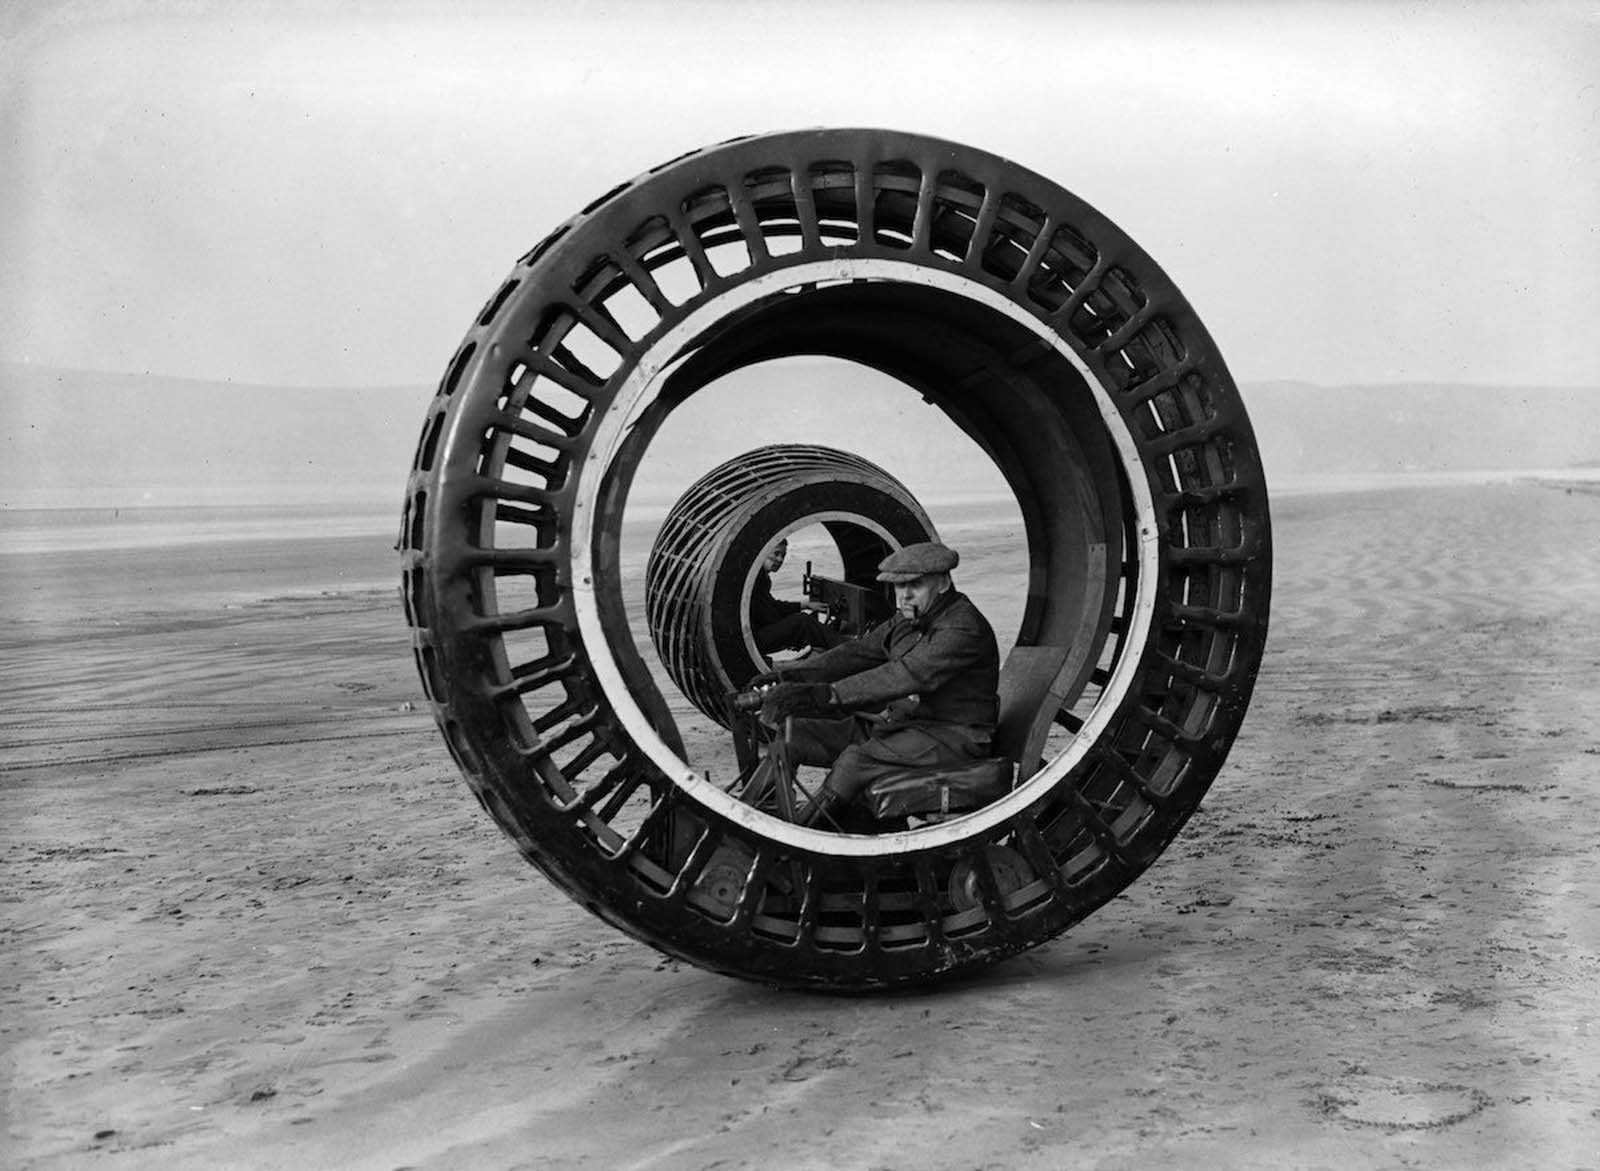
point(1027, 681)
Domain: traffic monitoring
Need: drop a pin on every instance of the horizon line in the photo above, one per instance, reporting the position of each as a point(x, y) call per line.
point(246, 384)
point(1287, 483)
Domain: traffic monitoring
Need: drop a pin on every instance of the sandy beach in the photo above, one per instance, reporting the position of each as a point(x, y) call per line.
point(252, 916)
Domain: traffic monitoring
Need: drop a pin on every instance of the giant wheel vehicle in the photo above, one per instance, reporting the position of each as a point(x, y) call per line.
point(1032, 324)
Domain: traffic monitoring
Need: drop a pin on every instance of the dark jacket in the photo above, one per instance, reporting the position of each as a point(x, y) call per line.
point(947, 658)
point(764, 608)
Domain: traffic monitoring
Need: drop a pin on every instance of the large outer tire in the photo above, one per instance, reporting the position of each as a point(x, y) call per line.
point(1039, 328)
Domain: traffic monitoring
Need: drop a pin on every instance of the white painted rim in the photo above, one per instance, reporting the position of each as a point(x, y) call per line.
point(639, 390)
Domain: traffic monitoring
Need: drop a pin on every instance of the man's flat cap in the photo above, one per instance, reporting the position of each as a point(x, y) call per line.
point(915, 561)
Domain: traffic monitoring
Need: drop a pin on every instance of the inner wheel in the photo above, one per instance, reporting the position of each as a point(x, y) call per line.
point(1036, 328)
point(704, 560)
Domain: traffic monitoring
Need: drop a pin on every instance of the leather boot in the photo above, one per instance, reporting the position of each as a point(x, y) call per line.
point(819, 807)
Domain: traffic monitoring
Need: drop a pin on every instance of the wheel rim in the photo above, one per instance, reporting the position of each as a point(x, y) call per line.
point(523, 473)
point(601, 492)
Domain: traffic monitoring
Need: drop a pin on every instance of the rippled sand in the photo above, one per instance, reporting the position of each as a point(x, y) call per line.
point(252, 916)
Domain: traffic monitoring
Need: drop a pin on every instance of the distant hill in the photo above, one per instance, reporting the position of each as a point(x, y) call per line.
point(1318, 430)
point(70, 438)
point(74, 437)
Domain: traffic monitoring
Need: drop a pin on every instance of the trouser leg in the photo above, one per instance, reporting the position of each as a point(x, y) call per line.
point(796, 632)
point(818, 742)
point(890, 750)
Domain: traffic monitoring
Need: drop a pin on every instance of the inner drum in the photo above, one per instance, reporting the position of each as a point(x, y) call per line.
point(703, 562)
point(1022, 316)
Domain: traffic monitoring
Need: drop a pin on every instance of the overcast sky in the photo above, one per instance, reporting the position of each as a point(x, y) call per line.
point(299, 195)
point(324, 195)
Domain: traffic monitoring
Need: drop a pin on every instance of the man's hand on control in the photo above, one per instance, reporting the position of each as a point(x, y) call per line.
point(793, 699)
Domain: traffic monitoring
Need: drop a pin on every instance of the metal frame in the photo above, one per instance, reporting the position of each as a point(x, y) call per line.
point(1035, 325)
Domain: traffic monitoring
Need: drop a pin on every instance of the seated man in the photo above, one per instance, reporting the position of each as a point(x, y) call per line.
point(934, 668)
point(781, 625)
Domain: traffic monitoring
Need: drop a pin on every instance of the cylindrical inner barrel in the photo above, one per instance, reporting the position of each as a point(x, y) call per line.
point(703, 564)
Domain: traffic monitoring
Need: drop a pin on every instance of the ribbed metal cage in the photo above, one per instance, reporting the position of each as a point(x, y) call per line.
point(1033, 324)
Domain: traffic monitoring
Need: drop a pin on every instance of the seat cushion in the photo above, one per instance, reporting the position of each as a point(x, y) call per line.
point(947, 789)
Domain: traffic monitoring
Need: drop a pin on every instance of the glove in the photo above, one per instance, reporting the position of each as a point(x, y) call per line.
point(792, 699)
point(765, 679)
